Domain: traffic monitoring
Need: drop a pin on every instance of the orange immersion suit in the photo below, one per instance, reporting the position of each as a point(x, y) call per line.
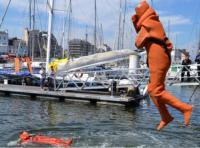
point(28, 61)
point(17, 64)
point(25, 138)
point(152, 37)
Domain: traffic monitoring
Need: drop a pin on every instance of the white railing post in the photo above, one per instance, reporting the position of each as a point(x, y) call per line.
point(133, 63)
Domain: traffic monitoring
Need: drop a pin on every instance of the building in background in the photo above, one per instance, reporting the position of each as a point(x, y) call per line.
point(37, 44)
point(32, 41)
point(18, 47)
point(3, 42)
point(79, 48)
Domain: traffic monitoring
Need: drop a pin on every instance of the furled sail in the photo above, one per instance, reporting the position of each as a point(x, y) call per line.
point(95, 59)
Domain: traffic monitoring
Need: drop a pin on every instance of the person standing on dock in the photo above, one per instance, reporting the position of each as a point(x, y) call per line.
point(42, 77)
point(152, 37)
point(186, 68)
point(52, 78)
point(197, 60)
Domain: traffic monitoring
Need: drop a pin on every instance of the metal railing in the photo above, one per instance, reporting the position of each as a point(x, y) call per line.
point(124, 77)
point(103, 79)
point(184, 74)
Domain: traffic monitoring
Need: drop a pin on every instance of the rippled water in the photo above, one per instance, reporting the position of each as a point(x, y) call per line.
point(101, 125)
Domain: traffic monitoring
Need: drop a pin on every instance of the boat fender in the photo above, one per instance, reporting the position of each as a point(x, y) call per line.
point(78, 74)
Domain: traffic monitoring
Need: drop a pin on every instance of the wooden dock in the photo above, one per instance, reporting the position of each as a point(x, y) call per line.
point(35, 92)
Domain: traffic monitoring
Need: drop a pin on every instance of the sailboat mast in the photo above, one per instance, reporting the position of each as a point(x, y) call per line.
point(119, 29)
point(30, 14)
point(95, 26)
point(30, 28)
point(51, 6)
point(124, 21)
point(169, 29)
point(63, 39)
point(69, 26)
point(33, 31)
point(33, 14)
point(63, 33)
point(86, 34)
point(101, 36)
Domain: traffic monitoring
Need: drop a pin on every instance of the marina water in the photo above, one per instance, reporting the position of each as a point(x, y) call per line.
point(100, 125)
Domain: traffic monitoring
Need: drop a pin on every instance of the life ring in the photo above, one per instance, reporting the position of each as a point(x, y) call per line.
point(78, 74)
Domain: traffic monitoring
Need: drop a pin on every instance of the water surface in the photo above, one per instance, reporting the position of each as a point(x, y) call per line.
point(101, 125)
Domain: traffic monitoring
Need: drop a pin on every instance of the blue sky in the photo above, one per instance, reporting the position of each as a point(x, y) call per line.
point(181, 17)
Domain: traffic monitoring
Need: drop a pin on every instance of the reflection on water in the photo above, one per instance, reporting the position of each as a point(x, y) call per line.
point(101, 125)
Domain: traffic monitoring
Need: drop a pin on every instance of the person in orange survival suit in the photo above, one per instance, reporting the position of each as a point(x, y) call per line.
point(26, 138)
point(152, 37)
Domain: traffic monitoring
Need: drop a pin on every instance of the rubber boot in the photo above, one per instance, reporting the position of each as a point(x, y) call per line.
point(186, 109)
point(164, 113)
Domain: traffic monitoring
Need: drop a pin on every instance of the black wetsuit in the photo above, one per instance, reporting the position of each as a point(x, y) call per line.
point(197, 60)
point(186, 69)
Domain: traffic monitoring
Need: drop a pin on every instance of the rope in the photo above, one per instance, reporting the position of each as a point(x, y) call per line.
point(194, 92)
point(5, 13)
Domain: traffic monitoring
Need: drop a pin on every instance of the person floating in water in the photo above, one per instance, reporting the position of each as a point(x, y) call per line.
point(152, 37)
point(26, 138)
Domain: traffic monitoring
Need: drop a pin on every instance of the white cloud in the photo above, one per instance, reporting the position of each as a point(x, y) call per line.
point(108, 16)
point(15, 3)
point(83, 14)
point(175, 20)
